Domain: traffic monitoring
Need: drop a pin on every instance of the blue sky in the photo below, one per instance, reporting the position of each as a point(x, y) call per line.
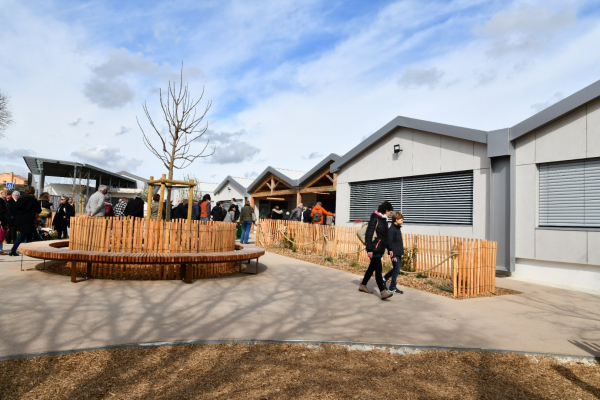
point(287, 79)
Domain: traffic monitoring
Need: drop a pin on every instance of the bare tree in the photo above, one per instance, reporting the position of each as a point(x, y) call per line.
point(179, 113)
point(5, 113)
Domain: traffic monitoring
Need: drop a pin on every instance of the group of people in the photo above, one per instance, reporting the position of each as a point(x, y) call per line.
point(99, 205)
point(311, 215)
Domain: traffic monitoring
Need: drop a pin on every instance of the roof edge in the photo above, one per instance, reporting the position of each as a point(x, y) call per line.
point(271, 170)
point(474, 135)
point(557, 110)
point(331, 157)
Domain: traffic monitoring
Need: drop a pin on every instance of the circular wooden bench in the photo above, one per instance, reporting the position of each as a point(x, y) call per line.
point(59, 250)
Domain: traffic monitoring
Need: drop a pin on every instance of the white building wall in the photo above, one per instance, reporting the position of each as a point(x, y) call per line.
point(564, 257)
point(423, 153)
point(227, 195)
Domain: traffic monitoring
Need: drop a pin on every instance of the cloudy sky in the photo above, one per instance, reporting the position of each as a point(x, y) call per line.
point(289, 81)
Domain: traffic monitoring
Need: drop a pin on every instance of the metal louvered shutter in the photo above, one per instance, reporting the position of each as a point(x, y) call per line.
point(570, 194)
point(439, 199)
point(365, 197)
point(429, 199)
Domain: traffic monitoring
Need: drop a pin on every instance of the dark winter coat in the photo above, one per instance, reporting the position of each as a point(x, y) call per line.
point(12, 212)
point(64, 210)
point(307, 215)
point(380, 244)
point(27, 207)
point(296, 214)
point(179, 212)
point(394, 240)
point(237, 211)
point(246, 214)
point(218, 213)
point(4, 216)
point(135, 208)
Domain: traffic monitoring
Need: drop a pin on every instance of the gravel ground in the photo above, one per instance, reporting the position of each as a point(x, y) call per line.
point(281, 371)
point(430, 285)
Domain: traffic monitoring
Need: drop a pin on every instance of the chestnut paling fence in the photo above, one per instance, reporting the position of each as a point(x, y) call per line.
point(137, 235)
point(470, 264)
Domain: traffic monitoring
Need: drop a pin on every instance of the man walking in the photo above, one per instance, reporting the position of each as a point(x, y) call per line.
point(233, 206)
point(95, 206)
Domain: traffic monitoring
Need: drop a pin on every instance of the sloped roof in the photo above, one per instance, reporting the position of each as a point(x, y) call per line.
point(318, 168)
point(130, 175)
point(556, 111)
point(240, 184)
point(208, 186)
point(411, 123)
point(289, 176)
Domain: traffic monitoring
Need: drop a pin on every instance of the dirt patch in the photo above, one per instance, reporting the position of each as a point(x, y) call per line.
point(282, 371)
point(431, 285)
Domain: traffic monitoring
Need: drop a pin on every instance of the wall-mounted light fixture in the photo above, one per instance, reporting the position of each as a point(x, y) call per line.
point(397, 149)
point(228, 188)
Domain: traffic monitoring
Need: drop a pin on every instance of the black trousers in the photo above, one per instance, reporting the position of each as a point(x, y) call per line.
point(11, 235)
point(375, 266)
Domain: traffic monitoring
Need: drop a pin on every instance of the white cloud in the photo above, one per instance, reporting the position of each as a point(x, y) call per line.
point(123, 131)
point(228, 148)
point(416, 77)
point(313, 156)
point(525, 28)
point(106, 156)
point(75, 123)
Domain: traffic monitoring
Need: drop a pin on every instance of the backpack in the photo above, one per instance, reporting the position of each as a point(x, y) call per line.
point(317, 217)
point(362, 232)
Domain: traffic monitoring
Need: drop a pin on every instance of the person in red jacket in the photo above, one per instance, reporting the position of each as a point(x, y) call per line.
point(322, 213)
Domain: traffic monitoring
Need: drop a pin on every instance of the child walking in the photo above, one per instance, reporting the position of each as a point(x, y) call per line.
point(396, 250)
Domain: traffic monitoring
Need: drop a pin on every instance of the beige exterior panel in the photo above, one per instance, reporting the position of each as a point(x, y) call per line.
point(525, 211)
point(564, 139)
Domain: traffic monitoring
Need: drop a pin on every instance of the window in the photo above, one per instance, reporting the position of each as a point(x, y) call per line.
point(428, 199)
point(570, 194)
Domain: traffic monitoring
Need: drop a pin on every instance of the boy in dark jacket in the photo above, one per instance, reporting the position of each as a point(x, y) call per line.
point(376, 248)
point(396, 250)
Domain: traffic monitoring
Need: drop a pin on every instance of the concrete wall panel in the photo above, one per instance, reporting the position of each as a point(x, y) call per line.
point(525, 149)
point(342, 204)
point(593, 129)
point(561, 246)
point(456, 154)
point(526, 210)
point(593, 246)
point(427, 153)
point(564, 139)
point(481, 203)
point(568, 276)
point(481, 160)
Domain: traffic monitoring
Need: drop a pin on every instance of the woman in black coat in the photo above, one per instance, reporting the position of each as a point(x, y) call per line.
point(376, 248)
point(62, 218)
point(27, 207)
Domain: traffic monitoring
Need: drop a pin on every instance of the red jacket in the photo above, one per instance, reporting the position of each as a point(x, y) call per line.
point(319, 209)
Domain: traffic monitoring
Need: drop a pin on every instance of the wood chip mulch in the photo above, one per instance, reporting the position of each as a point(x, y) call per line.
point(283, 371)
point(431, 285)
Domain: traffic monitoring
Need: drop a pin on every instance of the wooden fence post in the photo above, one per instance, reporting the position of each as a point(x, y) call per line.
point(454, 267)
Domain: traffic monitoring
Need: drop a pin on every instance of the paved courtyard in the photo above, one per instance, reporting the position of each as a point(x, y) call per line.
point(289, 299)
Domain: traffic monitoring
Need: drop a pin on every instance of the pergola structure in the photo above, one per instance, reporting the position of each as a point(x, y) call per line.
point(67, 169)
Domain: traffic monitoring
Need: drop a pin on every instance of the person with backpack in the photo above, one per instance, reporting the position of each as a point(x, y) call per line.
point(318, 214)
point(396, 250)
point(376, 241)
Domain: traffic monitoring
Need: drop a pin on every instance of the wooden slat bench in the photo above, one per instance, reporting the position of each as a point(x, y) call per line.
point(59, 250)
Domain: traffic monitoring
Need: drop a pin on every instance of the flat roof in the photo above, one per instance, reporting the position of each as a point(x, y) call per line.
point(66, 169)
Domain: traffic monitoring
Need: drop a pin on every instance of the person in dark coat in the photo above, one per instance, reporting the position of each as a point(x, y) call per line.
point(62, 218)
point(376, 248)
point(396, 250)
point(180, 212)
point(307, 215)
point(12, 216)
point(276, 213)
point(232, 205)
point(3, 220)
point(27, 208)
point(135, 207)
point(218, 213)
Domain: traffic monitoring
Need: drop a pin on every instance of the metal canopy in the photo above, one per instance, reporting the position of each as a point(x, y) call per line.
point(66, 169)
